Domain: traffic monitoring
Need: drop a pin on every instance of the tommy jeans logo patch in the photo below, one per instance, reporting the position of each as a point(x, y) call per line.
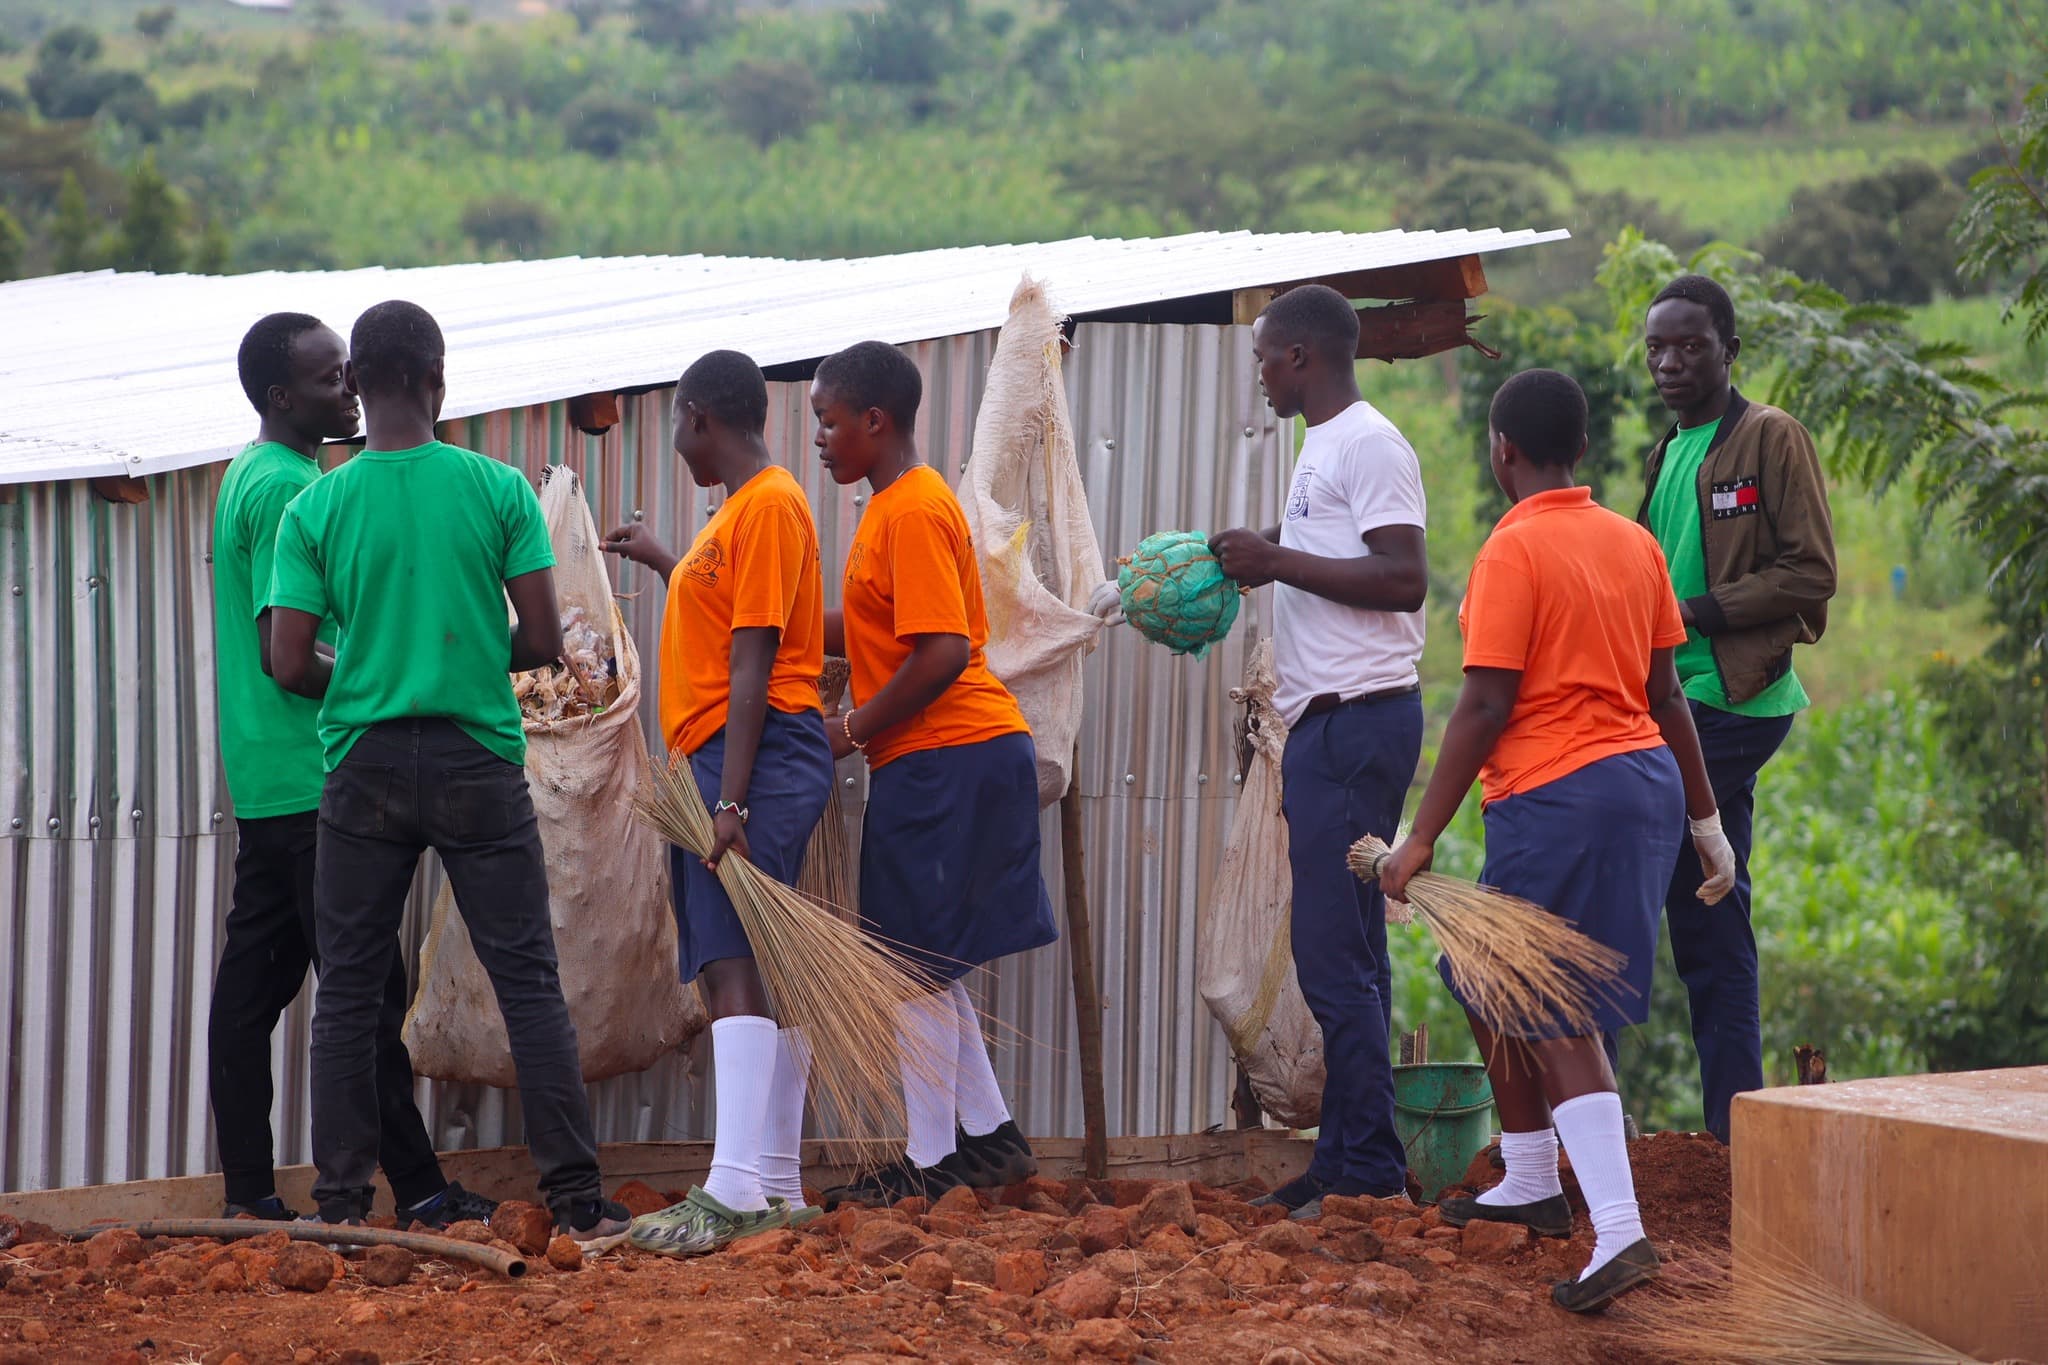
point(1738, 498)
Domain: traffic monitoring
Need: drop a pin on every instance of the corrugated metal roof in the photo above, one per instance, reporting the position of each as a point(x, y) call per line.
point(108, 374)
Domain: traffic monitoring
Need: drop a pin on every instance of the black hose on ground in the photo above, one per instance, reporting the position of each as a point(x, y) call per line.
point(506, 1263)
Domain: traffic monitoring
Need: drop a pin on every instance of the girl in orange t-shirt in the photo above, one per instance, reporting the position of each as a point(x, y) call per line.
point(742, 644)
point(1572, 717)
point(949, 848)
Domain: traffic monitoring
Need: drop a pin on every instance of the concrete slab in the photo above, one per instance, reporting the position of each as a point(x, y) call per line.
point(1924, 1196)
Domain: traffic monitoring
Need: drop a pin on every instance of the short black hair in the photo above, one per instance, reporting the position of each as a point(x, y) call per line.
point(393, 343)
point(1708, 295)
point(265, 358)
point(874, 374)
point(1317, 317)
point(1544, 413)
point(729, 386)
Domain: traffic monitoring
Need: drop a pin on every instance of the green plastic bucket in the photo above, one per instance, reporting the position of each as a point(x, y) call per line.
point(1444, 1114)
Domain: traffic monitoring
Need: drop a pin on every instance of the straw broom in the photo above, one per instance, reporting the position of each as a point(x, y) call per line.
point(842, 986)
point(828, 875)
point(1776, 1311)
point(1521, 968)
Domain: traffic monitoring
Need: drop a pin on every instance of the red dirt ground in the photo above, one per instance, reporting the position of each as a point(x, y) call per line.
point(1047, 1272)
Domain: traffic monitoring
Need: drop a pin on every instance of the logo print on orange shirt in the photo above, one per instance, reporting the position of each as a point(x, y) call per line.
point(705, 562)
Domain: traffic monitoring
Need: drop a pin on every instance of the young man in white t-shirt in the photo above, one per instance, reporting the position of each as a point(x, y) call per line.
point(1349, 570)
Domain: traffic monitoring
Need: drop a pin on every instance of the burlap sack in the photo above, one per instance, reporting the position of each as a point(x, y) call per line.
point(1243, 961)
point(1028, 511)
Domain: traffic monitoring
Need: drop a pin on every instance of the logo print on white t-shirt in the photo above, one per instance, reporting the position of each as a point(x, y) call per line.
point(1297, 496)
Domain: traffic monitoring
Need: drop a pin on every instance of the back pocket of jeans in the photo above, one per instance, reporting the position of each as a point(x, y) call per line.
point(356, 797)
point(478, 807)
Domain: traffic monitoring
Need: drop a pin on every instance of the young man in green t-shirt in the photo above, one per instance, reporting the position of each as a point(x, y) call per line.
point(413, 547)
point(291, 369)
point(1734, 494)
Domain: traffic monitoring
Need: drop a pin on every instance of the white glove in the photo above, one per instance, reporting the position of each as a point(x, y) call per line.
point(1717, 858)
point(1107, 602)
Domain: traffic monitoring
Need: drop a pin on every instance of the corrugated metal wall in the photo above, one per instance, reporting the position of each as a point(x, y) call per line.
point(116, 849)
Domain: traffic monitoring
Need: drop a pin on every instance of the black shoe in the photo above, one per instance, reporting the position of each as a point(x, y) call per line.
point(883, 1187)
point(1297, 1193)
point(1636, 1265)
point(990, 1161)
point(270, 1209)
point(451, 1206)
point(1550, 1217)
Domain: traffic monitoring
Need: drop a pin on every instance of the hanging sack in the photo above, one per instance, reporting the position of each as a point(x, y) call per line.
point(1243, 960)
point(1028, 511)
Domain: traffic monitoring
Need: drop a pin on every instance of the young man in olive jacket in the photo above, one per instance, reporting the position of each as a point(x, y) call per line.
point(1734, 495)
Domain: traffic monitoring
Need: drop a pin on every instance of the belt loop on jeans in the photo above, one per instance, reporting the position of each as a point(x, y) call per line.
point(1327, 702)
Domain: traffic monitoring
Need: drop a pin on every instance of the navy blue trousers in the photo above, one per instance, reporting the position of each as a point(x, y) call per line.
point(1343, 776)
point(1713, 946)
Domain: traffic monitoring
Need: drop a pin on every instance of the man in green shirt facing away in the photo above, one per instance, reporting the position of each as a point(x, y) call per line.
point(1734, 495)
point(291, 369)
point(412, 547)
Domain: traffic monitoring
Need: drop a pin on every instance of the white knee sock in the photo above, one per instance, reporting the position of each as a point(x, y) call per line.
point(782, 1135)
point(1532, 1169)
point(976, 1096)
point(928, 1031)
point(742, 1065)
point(1591, 1128)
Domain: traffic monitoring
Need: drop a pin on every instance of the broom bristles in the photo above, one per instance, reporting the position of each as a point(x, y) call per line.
point(842, 985)
point(1773, 1310)
point(1520, 968)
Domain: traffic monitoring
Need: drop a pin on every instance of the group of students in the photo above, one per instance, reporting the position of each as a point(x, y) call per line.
point(367, 714)
point(1624, 681)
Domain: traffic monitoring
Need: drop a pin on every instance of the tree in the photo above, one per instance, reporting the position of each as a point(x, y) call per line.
point(214, 251)
point(152, 223)
point(1477, 194)
point(13, 246)
point(683, 25)
point(1192, 140)
point(2004, 226)
point(1878, 237)
point(507, 221)
point(604, 125)
point(74, 235)
point(1137, 16)
point(769, 101)
point(905, 42)
point(155, 23)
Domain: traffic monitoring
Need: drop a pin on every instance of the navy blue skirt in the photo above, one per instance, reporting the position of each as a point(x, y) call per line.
point(786, 796)
point(949, 855)
point(1597, 847)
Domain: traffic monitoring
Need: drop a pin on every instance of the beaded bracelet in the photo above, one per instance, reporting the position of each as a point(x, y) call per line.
point(846, 726)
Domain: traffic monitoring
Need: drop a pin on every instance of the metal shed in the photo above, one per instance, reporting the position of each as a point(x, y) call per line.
point(116, 833)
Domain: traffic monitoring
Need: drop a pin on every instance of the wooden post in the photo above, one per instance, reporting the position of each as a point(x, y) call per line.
point(1087, 991)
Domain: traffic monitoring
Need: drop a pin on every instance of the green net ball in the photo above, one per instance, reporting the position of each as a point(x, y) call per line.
point(1175, 594)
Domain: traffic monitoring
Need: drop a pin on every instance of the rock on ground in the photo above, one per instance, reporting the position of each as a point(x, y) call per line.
point(304, 1267)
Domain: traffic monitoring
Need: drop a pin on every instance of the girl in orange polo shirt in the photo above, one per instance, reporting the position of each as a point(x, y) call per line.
point(742, 644)
point(1573, 720)
point(949, 848)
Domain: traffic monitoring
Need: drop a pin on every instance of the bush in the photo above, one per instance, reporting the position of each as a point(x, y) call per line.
point(604, 124)
point(1878, 238)
point(769, 101)
point(507, 222)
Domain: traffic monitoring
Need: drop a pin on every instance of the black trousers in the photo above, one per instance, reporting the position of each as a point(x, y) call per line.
point(268, 946)
point(405, 787)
